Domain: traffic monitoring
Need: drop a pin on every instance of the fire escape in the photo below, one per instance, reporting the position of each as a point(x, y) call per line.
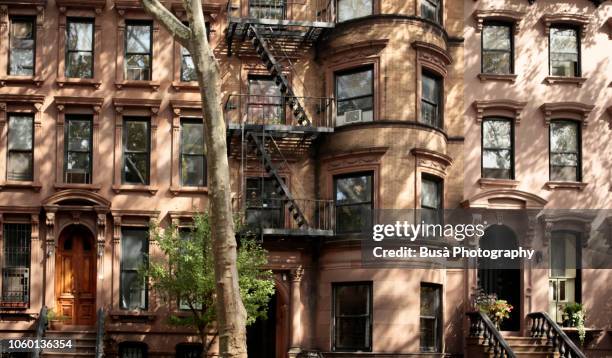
point(271, 126)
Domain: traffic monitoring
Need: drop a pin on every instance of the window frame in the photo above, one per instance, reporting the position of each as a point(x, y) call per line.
point(578, 30)
point(350, 71)
point(192, 120)
point(9, 151)
point(281, 106)
point(439, 12)
point(26, 301)
point(335, 179)
point(280, 207)
point(261, 4)
point(124, 150)
point(370, 315)
point(497, 23)
point(578, 150)
point(128, 344)
point(352, 18)
point(78, 117)
point(126, 53)
point(425, 176)
point(82, 20)
point(512, 146)
point(439, 319)
point(439, 80)
point(145, 259)
point(33, 21)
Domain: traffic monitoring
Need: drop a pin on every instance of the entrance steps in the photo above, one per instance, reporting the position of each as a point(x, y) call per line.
point(523, 347)
point(83, 341)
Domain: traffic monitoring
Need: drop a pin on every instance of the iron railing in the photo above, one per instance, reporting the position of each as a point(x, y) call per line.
point(274, 214)
point(275, 110)
point(482, 327)
point(290, 10)
point(542, 326)
point(100, 334)
point(41, 328)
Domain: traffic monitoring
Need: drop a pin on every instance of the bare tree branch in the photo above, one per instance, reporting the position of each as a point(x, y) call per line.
point(178, 30)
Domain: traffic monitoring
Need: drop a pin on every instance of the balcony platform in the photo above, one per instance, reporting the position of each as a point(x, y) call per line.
point(297, 232)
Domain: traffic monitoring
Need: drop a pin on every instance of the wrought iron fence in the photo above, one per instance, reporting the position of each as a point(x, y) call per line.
point(274, 214)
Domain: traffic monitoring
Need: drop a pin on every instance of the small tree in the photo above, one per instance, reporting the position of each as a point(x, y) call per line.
point(186, 274)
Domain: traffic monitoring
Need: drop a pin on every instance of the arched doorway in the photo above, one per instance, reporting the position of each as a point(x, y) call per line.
point(502, 276)
point(75, 276)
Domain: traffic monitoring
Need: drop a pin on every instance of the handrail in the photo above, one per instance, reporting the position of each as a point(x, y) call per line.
point(41, 327)
point(481, 326)
point(542, 324)
point(100, 334)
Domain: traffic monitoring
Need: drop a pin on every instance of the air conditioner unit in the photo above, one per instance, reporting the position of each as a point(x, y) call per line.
point(352, 116)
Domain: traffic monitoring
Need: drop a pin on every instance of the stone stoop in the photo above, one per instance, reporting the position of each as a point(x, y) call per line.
point(84, 339)
point(523, 347)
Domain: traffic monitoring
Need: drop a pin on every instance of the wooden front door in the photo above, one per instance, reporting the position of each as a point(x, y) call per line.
point(75, 283)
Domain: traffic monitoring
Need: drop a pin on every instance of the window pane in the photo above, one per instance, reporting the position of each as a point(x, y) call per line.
point(77, 161)
point(429, 10)
point(138, 67)
point(364, 104)
point(430, 194)
point(138, 38)
point(80, 36)
point(19, 166)
point(79, 135)
point(192, 170)
point(79, 65)
point(22, 62)
point(429, 114)
point(563, 40)
point(431, 315)
point(496, 62)
point(495, 37)
point(188, 72)
point(267, 9)
point(353, 218)
point(354, 84)
point(431, 88)
point(352, 332)
point(560, 173)
point(137, 168)
point(192, 138)
point(20, 133)
point(564, 159)
point(134, 246)
point(497, 134)
point(137, 136)
point(22, 47)
point(428, 334)
point(564, 137)
point(352, 300)
point(132, 291)
point(352, 316)
point(351, 9)
point(496, 164)
point(356, 189)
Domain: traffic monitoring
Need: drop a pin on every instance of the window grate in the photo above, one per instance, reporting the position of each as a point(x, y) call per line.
point(16, 264)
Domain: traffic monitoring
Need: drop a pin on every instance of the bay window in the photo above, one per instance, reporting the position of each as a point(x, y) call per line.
point(354, 95)
point(353, 201)
point(431, 99)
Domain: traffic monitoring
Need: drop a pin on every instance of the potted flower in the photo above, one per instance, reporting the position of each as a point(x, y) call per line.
point(497, 310)
point(574, 316)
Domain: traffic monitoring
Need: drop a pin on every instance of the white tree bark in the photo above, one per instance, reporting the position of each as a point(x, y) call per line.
point(231, 314)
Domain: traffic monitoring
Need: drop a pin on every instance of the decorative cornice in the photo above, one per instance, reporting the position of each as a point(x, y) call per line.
point(566, 110)
point(97, 5)
point(71, 194)
point(497, 183)
point(566, 18)
point(497, 77)
point(94, 102)
point(135, 213)
point(512, 16)
point(25, 2)
point(569, 185)
point(433, 49)
point(152, 104)
point(578, 81)
point(184, 104)
point(363, 48)
point(595, 2)
point(482, 199)
point(22, 98)
point(507, 107)
point(423, 153)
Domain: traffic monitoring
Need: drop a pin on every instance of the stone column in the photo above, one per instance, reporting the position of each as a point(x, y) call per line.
point(36, 264)
point(116, 261)
point(100, 248)
point(295, 341)
point(49, 254)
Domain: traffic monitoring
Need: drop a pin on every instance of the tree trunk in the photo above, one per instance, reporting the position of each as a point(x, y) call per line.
point(231, 314)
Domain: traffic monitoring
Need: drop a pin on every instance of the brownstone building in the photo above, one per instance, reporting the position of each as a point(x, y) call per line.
point(333, 109)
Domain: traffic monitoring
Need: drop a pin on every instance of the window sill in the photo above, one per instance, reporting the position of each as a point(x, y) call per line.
point(20, 80)
point(573, 185)
point(497, 77)
point(497, 183)
point(135, 188)
point(578, 81)
point(62, 186)
point(21, 185)
point(189, 190)
point(152, 85)
point(85, 82)
point(131, 315)
point(188, 86)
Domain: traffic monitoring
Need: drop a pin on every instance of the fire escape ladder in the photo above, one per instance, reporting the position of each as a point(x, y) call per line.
point(276, 70)
point(281, 188)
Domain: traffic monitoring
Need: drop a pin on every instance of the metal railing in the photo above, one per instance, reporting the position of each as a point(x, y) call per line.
point(482, 327)
point(309, 10)
point(274, 214)
point(41, 327)
point(542, 326)
point(275, 110)
point(100, 334)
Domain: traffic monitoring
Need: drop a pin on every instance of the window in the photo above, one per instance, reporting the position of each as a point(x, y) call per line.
point(497, 49)
point(497, 148)
point(193, 161)
point(352, 314)
point(431, 317)
point(431, 199)
point(134, 254)
point(564, 52)
point(20, 148)
point(354, 96)
point(133, 350)
point(266, 102)
point(565, 153)
point(431, 100)
point(353, 200)
point(79, 48)
point(564, 279)
point(432, 10)
point(138, 50)
point(78, 155)
point(352, 9)
point(267, 9)
point(264, 207)
point(136, 150)
point(189, 350)
point(188, 72)
point(22, 46)
point(16, 264)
